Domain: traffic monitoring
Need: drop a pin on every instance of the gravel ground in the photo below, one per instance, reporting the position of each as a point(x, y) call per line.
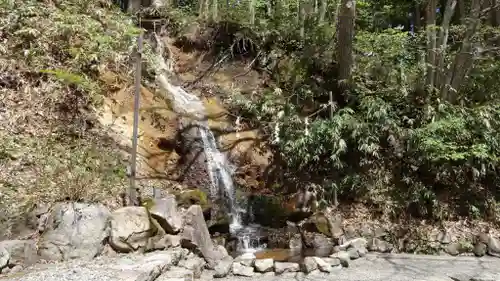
point(371, 268)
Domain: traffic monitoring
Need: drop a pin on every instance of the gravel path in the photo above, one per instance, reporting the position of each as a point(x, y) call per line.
point(374, 267)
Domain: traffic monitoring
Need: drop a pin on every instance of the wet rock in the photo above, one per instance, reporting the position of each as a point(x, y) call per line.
point(323, 266)
point(195, 236)
point(264, 265)
point(283, 267)
point(378, 245)
point(165, 211)
point(223, 267)
point(242, 270)
point(309, 264)
point(74, 230)
point(480, 249)
point(343, 257)
point(22, 252)
point(493, 247)
point(4, 258)
point(131, 227)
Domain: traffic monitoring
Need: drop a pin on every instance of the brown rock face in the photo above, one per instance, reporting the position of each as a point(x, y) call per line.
point(193, 162)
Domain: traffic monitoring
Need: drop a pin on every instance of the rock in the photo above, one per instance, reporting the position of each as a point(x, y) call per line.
point(17, 268)
point(362, 252)
point(195, 236)
point(320, 241)
point(4, 258)
point(493, 247)
point(323, 266)
point(453, 249)
point(353, 253)
point(480, 249)
point(378, 245)
point(74, 230)
point(344, 258)
point(379, 232)
point(483, 238)
point(131, 227)
point(163, 242)
point(164, 210)
point(443, 237)
point(223, 267)
point(195, 264)
point(282, 267)
point(320, 222)
point(309, 264)
point(242, 270)
point(335, 225)
point(264, 265)
point(21, 251)
point(350, 232)
point(334, 262)
point(295, 242)
point(484, 276)
point(246, 259)
point(366, 231)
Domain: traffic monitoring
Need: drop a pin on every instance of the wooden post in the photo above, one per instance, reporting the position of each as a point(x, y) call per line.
point(335, 199)
point(133, 192)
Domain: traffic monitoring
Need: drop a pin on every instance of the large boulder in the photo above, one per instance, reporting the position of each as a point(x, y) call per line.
point(131, 227)
point(74, 230)
point(165, 212)
point(22, 252)
point(195, 236)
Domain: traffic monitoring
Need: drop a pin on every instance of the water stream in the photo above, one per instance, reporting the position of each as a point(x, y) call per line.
point(218, 166)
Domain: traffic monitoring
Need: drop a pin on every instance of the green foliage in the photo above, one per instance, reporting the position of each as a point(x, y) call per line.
point(391, 141)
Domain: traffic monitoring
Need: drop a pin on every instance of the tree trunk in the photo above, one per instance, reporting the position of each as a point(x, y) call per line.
point(443, 42)
point(430, 19)
point(302, 18)
point(215, 10)
point(345, 38)
point(463, 61)
point(322, 11)
point(252, 11)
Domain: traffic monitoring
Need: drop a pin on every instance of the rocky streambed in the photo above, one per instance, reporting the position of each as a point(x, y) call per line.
point(168, 240)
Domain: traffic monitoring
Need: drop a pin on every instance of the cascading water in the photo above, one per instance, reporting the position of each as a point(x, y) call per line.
point(218, 166)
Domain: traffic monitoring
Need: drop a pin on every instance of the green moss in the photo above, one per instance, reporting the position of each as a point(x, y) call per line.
point(194, 197)
point(321, 223)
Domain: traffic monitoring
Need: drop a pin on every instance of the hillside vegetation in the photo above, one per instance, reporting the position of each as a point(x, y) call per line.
point(52, 55)
point(412, 127)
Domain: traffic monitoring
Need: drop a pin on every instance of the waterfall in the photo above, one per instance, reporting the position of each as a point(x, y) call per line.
point(218, 166)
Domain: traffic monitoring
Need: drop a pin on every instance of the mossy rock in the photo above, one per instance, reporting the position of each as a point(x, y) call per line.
point(194, 197)
point(321, 223)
